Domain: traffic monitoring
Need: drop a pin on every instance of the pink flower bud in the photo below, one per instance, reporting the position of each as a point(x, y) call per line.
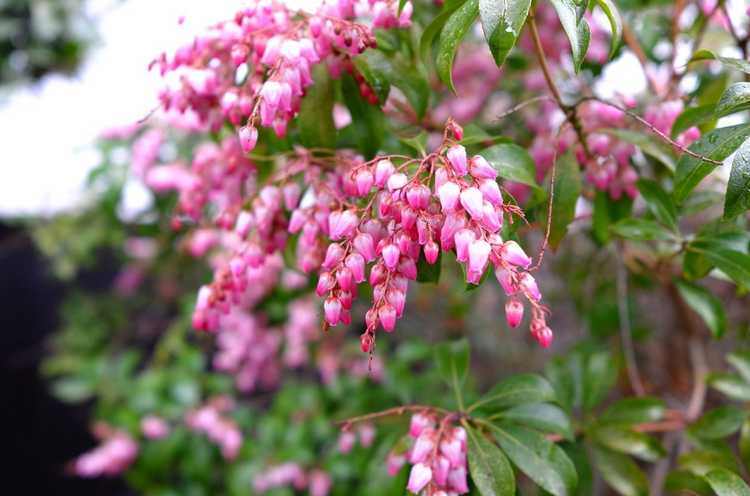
point(291, 196)
point(364, 180)
point(344, 278)
point(419, 422)
point(479, 251)
point(504, 277)
point(356, 263)
point(472, 200)
point(341, 224)
point(491, 220)
point(346, 442)
point(383, 171)
point(512, 253)
point(154, 427)
point(529, 287)
point(542, 333)
point(248, 138)
point(457, 480)
point(334, 255)
point(391, 255)
point(423, 446)
point(431, 252)
point(440, 468)
point(394, 463)
point(332, 309)
point(448, 194)
point(463, 240)
point(365, 246)
point(244, 222)
point(491, 192)
point(453, 450)
point(366, 342)
point(297, 221)
point(378, 274)
point(513, 312)
point(481, 169)
point(387, 316)
point(408, 268)
point(325, 284)
point(397, 299)
point(397, 181)
point(418, 196)
point(457, 159)
point(419, 477)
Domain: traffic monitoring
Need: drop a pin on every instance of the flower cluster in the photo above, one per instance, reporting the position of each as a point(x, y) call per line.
point(365, 433)
point(437, 456)
point(112, 457)
point(317, 482)
point(210, 419)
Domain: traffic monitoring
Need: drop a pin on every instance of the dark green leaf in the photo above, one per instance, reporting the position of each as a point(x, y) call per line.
point(512, 163)
point(736, 98)
point(316, 112)
point(731, 385)
point(452, 361)
point(726, 483)
point(716, 145)
point(368, 65)
point(620, 472)
point(732, 63)
point(740, 361)
point(615, 22)
point(647, 143)
point(600, 375)
point(687, 482)
point(367, 129)
point(705, 304)
point(659, 202)
point(693, 116)
point(718, 423)
point(744, 443)
point(567, 190)
point(641, 230)
point(540, 459)
point(577, 29)
point(517, 390)
point(502, 21)
point(541, 416)
point(607, 211)
point(625, 440)
point(455, 29)
point(737, 199)
point(733, 263)
point(433, 29)
point(381, 72)
point(429, 272)
point(489, 468)
point(631, 411)
point(418, 142)
point(703, 461)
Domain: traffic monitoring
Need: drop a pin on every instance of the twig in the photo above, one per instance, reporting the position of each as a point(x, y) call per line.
point(626, 333)
point(652, 128)
point(522, 105)
point(395, 411)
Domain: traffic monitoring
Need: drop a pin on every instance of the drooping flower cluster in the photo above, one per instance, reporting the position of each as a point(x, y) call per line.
point(255, 68)
point(112, 457)
point(211, 420)
point(437, 456)
point(364, 433)
point(290, 474)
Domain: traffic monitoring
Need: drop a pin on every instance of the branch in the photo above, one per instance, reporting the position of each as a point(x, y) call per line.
point(626, 334)
point(395, 411)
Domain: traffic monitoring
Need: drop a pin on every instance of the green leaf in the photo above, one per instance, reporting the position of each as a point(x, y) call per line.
point(429, 272)
point(517, 390)
point(705, 304)
point(736, 98)
point(607, 211)
point(718, 423)
point(368, 64)
point(687, 482)
point(733, 263)
point(620, 472)
point(512, 162)
point(540, 459)
point(703, 461)
point(434, 28)
point(726, 483)
point(693, 116)
point(716, 145)
point(615, 22)
point(367, 129)
point(502, 21)
point(489, 468)
point(629, 411)
point(647, 143)
point(659, 202)
point(600, 375)
point(737, 199)
point(418, 142)
point(641, 230)
point(455, 29)
point(540, 416)
point(382, 72)
point(316, 125)
point(730, 385)
point(732, 63)
point(744, 443)
point(452, 361)
point(740, 361)
point(625, 440)
point(577, 29)
point(567, 190)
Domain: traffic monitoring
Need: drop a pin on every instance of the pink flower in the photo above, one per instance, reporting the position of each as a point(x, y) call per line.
point(383, 171)
point(491, 192)
point(528, 284)
point(463, 239)
point(471, 200)
point(394, 462)
point(513, 312)
point(364, 180)
point(419, 477)
point(397, 181)
point(248, 138)
point(448, 194)
point(154, 427)
point(457, 159)
point(387, 316)
point(481, 169)
point(431, 252)
point(514, 254)
point(419, 423)
point(479, 251)
point(365, 246)
point(332, 308)
point(391, 256)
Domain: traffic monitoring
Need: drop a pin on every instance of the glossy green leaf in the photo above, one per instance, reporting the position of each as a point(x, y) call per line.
point(615, 23)
point(429, 272)
point(502, 21)
point(316, 125)
point(433, 30)
point(687, 482)
point(703, 461)
point(455, 29)
point(567, 190)
point(512, 162)
point(733, 263)
point(579, 33)
point(730, 385)
point(382, 72)
point(744, 443)
point(732, 63)
point(659, 202)
point(693, 116)
point(452, 360)
point(641, 230)
point(600, 375)
point(367, 129)
point(368, 64)
point(726, 483)
point(490, 470)
point(620, 472)
point(737, 200)
point(736, 98)
point(517, 390)
point(648, 144)
point(740, 361)
point(718, 423)
point(705, 304)
point(540, 459)
point(544, 417)
point(627, 441)
point(629, 411)
point(716, 145)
